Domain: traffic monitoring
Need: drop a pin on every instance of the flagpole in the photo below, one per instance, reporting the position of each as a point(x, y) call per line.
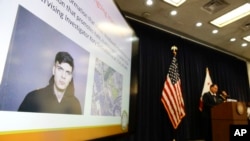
point(174, 48)
point(172, 96)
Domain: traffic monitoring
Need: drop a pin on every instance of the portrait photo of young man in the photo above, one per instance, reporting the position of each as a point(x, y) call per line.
point(58, 96)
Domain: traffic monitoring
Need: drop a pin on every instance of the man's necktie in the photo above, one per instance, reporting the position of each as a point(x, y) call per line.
point(214, 98)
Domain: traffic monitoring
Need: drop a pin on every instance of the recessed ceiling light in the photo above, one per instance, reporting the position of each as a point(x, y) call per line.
point(175, 2)
point(247, 38)
point(149, 2)
point(232, 16)
point(232, 39)
point(173, 12)
point(215, 31)
point(244, 44)
point(198, 24)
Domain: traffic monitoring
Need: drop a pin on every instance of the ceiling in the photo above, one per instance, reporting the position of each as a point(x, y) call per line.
point(190, 12)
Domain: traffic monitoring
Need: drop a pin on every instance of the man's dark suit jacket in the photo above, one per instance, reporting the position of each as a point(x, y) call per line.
point(209, 101)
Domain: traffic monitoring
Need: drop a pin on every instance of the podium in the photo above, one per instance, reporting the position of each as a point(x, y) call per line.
point(224, 115)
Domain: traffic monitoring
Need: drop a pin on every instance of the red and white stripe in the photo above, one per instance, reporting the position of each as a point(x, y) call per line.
point(173, 101)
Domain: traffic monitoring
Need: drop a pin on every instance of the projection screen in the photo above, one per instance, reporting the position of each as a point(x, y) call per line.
point(96, 36)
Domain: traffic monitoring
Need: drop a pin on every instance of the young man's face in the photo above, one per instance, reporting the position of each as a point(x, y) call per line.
point(62, 75)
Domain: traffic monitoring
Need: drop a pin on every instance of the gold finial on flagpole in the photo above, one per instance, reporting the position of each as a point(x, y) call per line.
point(174, 48)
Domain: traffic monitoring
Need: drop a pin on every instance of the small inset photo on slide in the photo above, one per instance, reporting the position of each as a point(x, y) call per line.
point(107, 90)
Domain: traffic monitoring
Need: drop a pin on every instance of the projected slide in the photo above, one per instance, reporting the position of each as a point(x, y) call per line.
point(66, 61)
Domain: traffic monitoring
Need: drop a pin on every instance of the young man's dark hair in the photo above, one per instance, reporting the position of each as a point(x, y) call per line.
point(64, 57)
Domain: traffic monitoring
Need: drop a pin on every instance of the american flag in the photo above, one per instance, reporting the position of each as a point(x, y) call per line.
point(172, 96)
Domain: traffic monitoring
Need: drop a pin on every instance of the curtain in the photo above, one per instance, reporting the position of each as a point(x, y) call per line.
point(230, 73)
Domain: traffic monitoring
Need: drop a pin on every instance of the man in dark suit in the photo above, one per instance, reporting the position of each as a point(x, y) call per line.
point(210, 99)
